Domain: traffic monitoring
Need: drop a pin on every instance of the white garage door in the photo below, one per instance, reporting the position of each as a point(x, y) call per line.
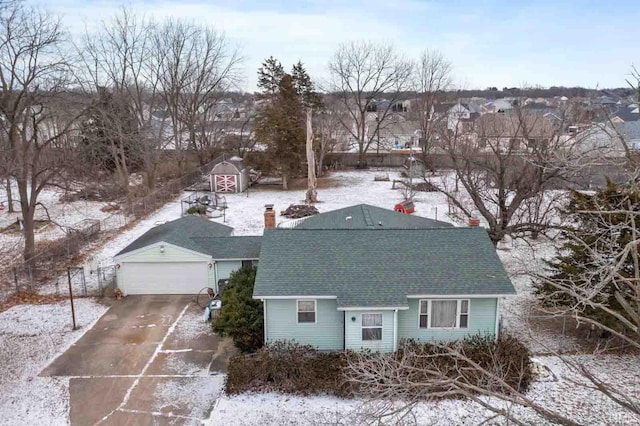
point(164, 278)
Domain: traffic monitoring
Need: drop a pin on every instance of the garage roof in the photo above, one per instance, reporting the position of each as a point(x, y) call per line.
point(241, 247)
point(181, 233)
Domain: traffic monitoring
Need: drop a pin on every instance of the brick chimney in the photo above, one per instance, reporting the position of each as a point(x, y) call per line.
point(474, 221)
point(269, 217)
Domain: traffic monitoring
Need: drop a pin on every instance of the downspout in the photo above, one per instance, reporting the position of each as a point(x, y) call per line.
point(344, 332)
point(264, 319)
point(497, 326)
point(215, 275)
point(395, 330)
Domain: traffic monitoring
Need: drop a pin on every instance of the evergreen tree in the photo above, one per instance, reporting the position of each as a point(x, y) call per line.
point(594, 249)
point(305, 87)
point(269, 76)
point(280, 125)
point(241, 316)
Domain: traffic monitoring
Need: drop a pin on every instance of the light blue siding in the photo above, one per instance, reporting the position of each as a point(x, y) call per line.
point(281, 323)
point(482, 320)
point(226, 267)
point(354, 332)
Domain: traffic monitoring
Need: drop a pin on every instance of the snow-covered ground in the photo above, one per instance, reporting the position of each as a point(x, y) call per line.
point(565, 392)
point(245, 212)
point(62, 214)
point(31, 336)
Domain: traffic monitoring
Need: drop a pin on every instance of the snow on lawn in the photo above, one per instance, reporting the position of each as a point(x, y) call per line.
point(245, 213)
point(560, 393)
point(63, 214)
point(31, 336)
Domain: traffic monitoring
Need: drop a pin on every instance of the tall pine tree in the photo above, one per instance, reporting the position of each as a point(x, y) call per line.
point(305, 88)
point(269, 76)
point(280, 125)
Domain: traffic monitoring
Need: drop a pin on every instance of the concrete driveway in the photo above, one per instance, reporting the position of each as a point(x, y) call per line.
point(148, 360)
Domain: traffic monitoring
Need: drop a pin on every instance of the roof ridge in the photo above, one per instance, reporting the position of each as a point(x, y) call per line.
point(374, 229)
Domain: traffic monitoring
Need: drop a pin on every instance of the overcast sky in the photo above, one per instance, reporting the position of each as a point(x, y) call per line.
point(589, 43)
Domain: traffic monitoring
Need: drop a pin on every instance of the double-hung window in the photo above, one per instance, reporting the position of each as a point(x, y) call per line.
point(444, 313)
point(306, 311)
point(371, 326)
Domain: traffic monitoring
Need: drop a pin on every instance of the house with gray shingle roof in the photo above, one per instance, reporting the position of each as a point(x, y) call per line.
point(184, 256)
point(369, 288)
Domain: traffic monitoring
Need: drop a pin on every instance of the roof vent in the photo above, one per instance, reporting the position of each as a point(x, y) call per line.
point(348, 218)
point(379, 223)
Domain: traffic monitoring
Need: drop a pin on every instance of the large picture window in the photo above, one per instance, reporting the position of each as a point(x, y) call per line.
point(306, 311)
point(445, 313)
point(371, 326)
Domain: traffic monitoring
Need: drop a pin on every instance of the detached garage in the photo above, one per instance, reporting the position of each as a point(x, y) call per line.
point(182, 257)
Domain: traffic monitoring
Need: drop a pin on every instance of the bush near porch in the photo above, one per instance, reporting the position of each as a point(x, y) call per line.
point(241, 315)
point(291, 368)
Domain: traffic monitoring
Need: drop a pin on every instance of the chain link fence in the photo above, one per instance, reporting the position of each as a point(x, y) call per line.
point(46, 271)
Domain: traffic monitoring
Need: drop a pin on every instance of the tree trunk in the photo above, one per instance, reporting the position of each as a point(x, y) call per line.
point(312, 195)
point(9, 197)
point(320, 171)
point(285, 184)
point(362, 159)
point(28, 211)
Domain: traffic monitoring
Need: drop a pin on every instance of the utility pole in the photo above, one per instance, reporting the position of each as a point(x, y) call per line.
point(73, 311)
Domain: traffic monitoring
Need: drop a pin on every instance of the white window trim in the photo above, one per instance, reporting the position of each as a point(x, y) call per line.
point(458, 314)
point(315, 311)
point(381, 326)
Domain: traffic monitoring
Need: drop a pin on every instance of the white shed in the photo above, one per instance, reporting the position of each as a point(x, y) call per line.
point(230, 176)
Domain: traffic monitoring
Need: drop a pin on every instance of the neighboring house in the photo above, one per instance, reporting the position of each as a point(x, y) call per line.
point(625, 114)
point(230, 176)
point(396, 133)
point(500, 105)
point(365, 216)
point(359, 289)
point(183, 257)
point(630, 132)
point(606, 140)
point(458, 115)
point(515, 132)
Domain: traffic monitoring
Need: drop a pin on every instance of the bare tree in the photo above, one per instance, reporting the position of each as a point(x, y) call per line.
point(197, 66)
point(634, 81)
point(238, 137)
point(363, 75)
point(504, 165)
point(433, 77)
point(36, 122)
point(119, 70)
point(329, 133)
point(397, 384)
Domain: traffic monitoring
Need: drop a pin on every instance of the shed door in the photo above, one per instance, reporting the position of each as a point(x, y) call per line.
point(164, 278)
point(226, 183)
